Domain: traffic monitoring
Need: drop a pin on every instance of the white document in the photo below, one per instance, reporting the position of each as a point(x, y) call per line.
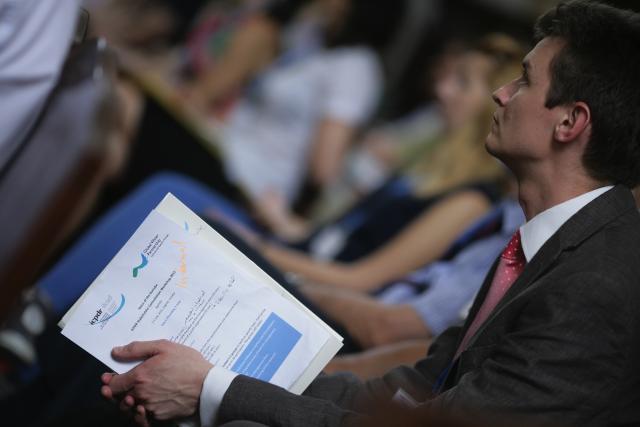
point(179, 280)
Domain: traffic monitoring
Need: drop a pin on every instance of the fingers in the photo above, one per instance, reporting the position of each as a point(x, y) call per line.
point(137, 350)
point(115, 385)
point(120, 384)
point(106, 377)
point(127, 404)
point(169, 373)
point(107, 389)
point(140, 416)
point(106, 392)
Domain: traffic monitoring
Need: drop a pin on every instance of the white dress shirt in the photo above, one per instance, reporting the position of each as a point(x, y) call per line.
point(214, 387)
point(533, 235)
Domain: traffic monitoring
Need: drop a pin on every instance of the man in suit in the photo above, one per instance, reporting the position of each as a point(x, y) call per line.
point(554, 333)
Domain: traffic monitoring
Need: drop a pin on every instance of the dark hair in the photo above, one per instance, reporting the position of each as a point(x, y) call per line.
point(370, 23)
point(283, 11)
point(599, 65)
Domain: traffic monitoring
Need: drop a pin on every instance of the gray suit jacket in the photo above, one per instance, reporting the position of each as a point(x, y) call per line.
point(562, 346)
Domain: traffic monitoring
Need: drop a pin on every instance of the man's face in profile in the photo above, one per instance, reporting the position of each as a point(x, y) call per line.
point(523, 128)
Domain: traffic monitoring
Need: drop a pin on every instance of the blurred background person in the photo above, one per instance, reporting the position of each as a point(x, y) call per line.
point(297, 119)
point(397, 316)
point(35, 37)
point(445, 190)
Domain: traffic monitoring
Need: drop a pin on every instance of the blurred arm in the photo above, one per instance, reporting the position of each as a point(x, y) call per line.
point(375, 362)
point(370, 322)
point(252, 48)
point(423, 241)
point(333, 138)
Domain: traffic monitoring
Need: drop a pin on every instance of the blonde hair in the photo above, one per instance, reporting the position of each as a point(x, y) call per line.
point(461, 158)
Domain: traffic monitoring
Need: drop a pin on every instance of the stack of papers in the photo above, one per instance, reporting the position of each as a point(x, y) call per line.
point(178, 279)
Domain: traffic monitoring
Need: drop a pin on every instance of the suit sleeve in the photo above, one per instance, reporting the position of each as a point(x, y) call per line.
point(566, 349)
point(331, 400)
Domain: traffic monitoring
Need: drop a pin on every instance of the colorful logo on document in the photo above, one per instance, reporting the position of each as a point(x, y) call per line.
point(142, 265)
point(101, 317)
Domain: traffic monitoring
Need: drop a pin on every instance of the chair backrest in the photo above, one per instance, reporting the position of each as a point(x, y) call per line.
point(52, 179)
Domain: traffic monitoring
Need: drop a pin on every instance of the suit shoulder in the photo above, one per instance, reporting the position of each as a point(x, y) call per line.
point(612, 254)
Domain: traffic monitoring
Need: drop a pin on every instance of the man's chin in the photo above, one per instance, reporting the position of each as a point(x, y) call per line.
point(490, 144)
point(494, 149)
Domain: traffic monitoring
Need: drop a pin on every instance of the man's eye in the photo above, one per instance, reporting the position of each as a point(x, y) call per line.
point(523, 80)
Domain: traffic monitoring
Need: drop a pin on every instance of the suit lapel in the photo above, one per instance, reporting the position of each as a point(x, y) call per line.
point(540, 263)
point(578, 228)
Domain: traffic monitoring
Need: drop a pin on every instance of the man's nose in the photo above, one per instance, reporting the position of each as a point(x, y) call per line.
point(502, 95)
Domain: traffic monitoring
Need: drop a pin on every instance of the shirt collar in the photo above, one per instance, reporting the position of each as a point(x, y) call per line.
point(540, 228)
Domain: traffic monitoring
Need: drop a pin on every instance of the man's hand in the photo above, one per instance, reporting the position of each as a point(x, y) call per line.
point(166, 385)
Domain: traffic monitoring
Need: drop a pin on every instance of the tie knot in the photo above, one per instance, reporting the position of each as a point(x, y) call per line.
point(513, 251)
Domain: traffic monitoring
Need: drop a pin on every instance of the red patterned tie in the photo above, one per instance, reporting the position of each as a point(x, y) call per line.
point(511, 264)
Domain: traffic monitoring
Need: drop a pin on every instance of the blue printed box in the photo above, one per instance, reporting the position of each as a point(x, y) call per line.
point(268, 349)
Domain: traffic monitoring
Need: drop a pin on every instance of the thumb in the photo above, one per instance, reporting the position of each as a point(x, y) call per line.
point(136, 350)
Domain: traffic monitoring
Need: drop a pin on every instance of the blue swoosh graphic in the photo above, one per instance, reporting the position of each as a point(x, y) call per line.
point(115, 312)
point(142, 265)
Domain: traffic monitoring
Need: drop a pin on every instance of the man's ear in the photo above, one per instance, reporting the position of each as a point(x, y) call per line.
point(636, 195)
point(575, 122)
